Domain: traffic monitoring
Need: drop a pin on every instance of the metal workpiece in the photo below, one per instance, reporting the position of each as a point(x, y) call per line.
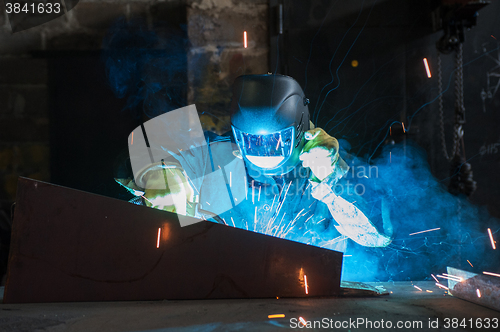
point(70, 245)
point(481, 289)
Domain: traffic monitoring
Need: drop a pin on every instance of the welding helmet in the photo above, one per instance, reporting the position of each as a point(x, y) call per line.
point(269, 116)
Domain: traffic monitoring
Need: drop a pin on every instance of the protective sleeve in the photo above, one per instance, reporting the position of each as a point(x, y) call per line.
point(352, 222)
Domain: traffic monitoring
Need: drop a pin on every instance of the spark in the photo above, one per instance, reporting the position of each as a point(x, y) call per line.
point(208, 203)
point(305, 284)
point(420, 289)
point(434, 278)
point(478, 293)
point(189, 179)
point(429, 230)
point(271, 209)
point(427, 69)
point(491, 239)
point(291, 224)
point(279, 233)
point(258, 199)
point(303, 321)
point(255, 219)
point(347, 255)
point(233, 222)
point(450, 277)
point(253, 193)
point(278, 208)
point(470, 263)
point(146, 199)
point(441, 286)
point(308, 218)
point(492, 274)
point(132, 139)
point(276, 315)
point(277, 145)
point(158, 239)
point(428, 291)
point(493, 37)
point(402, 124)
point(245, 44)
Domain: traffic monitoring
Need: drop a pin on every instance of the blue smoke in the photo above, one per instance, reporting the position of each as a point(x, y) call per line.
point(150, 71)
point(417, 201)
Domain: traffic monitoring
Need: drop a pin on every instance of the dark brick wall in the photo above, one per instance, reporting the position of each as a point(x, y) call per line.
point(217, 55)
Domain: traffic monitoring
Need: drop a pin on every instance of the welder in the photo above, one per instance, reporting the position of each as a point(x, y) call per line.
point(287, 179)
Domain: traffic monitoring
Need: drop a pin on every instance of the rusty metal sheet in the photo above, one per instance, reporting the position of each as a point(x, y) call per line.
point(69, 245)
point(477, 288)
point(360, 289)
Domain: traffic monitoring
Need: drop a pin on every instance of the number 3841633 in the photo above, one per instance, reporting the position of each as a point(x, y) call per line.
point(32, 8)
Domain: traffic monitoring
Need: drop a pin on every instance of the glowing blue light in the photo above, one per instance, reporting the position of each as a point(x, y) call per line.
point(266, 162)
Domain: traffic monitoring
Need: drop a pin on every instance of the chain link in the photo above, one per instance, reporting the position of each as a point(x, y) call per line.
point(459, 81)
point(459, 104)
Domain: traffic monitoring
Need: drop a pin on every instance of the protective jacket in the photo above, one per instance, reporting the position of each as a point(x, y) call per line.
point(289, 206)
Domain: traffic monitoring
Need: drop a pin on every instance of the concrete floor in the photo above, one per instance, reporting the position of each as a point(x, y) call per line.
point(405, 303)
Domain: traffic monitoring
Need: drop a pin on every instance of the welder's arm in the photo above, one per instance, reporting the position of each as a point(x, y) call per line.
point(353, 223)
point(321, 155)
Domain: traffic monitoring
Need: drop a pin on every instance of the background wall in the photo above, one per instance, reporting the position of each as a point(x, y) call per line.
point(60, 118)
point(215, 52)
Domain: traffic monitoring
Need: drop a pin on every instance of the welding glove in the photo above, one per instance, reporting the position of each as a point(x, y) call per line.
point(321, 155)
point(176, 193)
point(163, 187)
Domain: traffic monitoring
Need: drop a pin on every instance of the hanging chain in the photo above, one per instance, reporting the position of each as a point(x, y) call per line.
point(441, 114)
point(459, 104)
point(459, 87)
